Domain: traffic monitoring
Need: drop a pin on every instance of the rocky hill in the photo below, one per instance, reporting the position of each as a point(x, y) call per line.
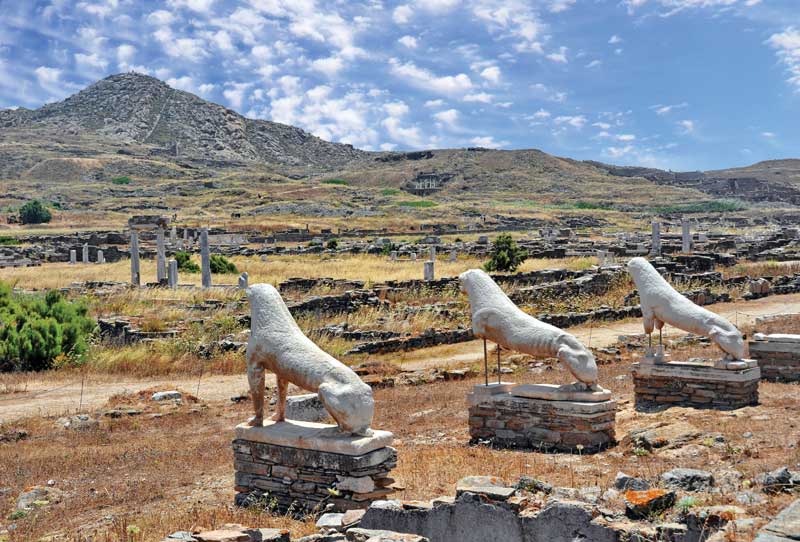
point(131, 108)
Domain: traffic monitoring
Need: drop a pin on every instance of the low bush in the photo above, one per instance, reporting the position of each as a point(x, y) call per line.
point(222, 265)
point(121, 180)
point(8, 241)
point(505, 255)
point(333, 244)
point(341, 182)
point(34, 212)
point(36, 331)
point(185, 263)
point(390, 192)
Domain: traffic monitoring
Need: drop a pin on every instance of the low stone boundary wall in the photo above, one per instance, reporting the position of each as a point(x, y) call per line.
point(507, 421)
point(293, 480)
point(778, 360)
point(694, 385)
point(432, 337)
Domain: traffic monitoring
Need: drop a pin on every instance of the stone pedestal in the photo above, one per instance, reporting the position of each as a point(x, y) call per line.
point(778, 356)
point(721, 385)
point(542, 417)
point(301, 467)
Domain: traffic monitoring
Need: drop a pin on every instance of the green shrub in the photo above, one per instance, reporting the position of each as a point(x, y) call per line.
point(333, 244)
point(505, 255)
point(387, 249)
point(185, 262)
point(389, 192)
point(420, 204)
point(34, 212)
point(341, 182)
point(8, 241)
point(222, 265)
point(121, 180)
point(36, 330)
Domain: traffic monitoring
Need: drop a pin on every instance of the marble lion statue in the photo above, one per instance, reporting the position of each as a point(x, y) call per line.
point(662, 304)
point(277, 344)
point(497, 318)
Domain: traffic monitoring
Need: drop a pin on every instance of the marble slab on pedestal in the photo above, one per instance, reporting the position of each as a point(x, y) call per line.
point(553, 392)
point(314, 436)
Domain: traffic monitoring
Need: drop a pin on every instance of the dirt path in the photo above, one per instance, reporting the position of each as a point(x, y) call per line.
point(48, 395)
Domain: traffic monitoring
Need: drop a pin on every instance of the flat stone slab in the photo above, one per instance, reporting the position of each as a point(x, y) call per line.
point(735, 365)
point(778, 337)
point(696, 371)
point(784, 528)
point(313, 436)
point(493, 388)
point(553, 392)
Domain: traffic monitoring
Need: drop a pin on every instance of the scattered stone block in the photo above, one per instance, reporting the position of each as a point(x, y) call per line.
point(784, 528)
point(623, 482)
point(688, 479)
point(643, 504)
point(172, 395)
point(79, 422)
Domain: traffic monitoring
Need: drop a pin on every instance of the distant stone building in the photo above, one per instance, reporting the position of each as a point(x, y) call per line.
point(427, 182)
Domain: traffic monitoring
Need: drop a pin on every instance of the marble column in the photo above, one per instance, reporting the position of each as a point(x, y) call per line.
point(656, 243)
point(686, 236)
point(161, 256)
point(429, 270)
point(172, 274)
point(135, 274)
point(205, 258)
point(85, 255)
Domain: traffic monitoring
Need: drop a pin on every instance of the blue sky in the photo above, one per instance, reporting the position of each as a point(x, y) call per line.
point(680, 84)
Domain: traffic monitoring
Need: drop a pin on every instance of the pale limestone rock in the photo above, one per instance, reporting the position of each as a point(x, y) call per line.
point(566, 392)
point(496, 317)
point(662, 304)
point(313, 436)
point(277, 344)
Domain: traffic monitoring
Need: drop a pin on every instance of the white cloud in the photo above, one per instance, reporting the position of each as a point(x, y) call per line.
point(182, 83)
point(125, 54)
point(206, 88)
point(576, 121)
point(626, 137)
point(402, 14)
point(448, 118)
point(541, 114)
point(481, 97)
point(491, 74)
point(513, 19)
point(47, 76)
point(161, 18)
point(613, 40)
point(787, 46)
point(235, 93)
point(488, 142)
point(687, 126)
point(92, 61)
point(619, 152)
point(328, 66)
point(559, 56)
point(408, 41)
point(665, 109)
point(190, 49)
point(594, 64)
point(544, 92)
point(602, 125)
point(676, 6)
point(434, 103)
point(769, 135)
point(449, 85)
point(557, 6)
point(200, 6)
point(396, 109)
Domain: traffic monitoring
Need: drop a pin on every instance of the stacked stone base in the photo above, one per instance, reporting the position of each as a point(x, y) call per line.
point(305, 481)
point(779, 361)
point(507, 421)
point(694, 385)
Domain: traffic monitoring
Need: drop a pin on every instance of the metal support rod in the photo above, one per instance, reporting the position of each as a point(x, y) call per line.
point(661, 336)
point(498, 363)
point(485, 362)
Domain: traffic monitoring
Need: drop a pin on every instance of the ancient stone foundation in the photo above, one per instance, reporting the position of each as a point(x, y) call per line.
point(696, 385)
point(501, 418)
point(778, 357)
point(320, 469)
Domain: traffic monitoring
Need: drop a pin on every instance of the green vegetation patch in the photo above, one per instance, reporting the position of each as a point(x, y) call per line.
point(341, 182)
point(34, 212)
point(390, 192)
point(8, 241)
point(420, 204)
point(37, 331)
point(185, 262)
point(713, 206)
point(505, 255)
point(222, 265)
point(121, 180)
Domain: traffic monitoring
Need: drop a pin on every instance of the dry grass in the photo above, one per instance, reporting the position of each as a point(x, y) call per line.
point(142, 478)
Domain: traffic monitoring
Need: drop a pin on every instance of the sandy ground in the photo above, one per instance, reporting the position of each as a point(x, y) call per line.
point(53, 395)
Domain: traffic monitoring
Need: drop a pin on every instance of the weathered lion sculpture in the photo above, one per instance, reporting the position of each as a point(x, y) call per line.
point(496, 317)
point(662, 304)
point(277, 344)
